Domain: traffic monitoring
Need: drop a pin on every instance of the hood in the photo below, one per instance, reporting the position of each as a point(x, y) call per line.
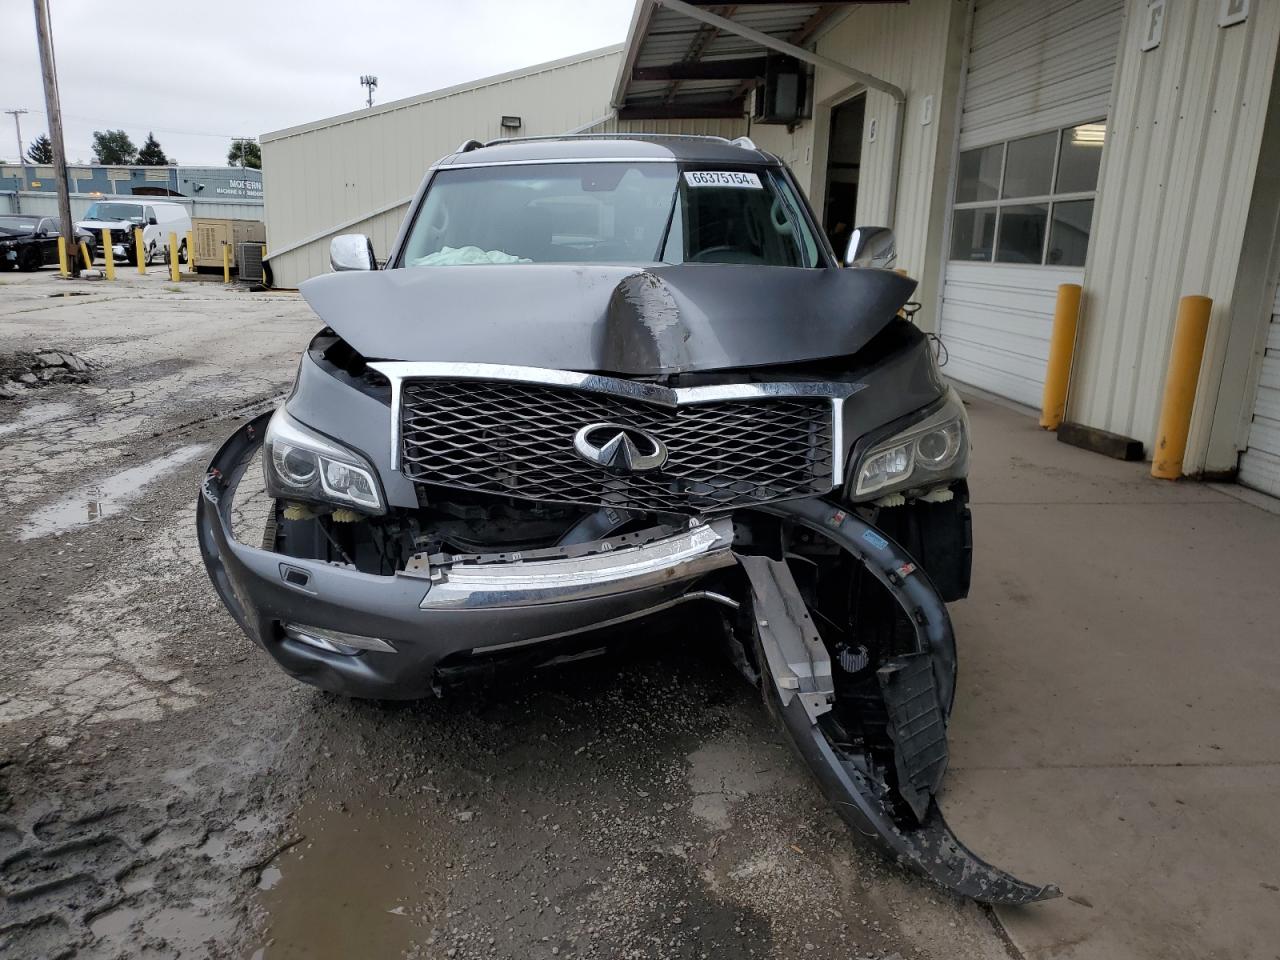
point(105, 224)
point(609, 319)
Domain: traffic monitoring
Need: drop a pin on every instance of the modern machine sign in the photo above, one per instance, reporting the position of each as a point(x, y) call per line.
point(241, 188)
point(722, 178)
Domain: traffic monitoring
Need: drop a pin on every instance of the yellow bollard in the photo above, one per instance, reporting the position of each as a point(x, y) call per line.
point(264, 264)
point(226, 263)
point(84, 255)
point(62, 257)
point(108, 258)
point(139, 251)
point(1062, 344)
point(191, 253)
point(173, 257)
point(1180, 386)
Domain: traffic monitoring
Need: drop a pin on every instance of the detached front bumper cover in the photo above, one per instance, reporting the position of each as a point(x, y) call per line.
point(918, 689)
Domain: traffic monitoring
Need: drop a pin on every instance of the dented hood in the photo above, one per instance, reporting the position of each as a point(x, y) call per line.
point(609, 319)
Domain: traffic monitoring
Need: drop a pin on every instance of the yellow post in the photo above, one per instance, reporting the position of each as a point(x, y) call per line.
point(1062, 345)
point(264, 264)
point(108, 258)
point(173, 257)
point(1180, 386)
point(84, 255)
point(226, 263)
point(62, 257)
point(191, 253)
point(139, 251)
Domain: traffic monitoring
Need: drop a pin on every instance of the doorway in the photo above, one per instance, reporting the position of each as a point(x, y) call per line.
point(844, 158)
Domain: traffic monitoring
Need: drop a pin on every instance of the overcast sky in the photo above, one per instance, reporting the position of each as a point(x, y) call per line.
point(198, 74)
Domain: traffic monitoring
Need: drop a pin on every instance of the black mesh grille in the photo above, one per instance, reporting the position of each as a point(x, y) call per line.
point(517, 439)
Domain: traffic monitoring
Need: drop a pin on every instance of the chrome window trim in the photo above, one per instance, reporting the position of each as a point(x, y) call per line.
point(398, 371)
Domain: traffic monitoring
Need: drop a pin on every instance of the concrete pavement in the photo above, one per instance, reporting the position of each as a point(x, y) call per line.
point(1117, 726)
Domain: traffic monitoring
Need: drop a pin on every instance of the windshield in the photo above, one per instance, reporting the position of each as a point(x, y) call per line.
point(609, 213)
point(22, 224)
point(114, 211)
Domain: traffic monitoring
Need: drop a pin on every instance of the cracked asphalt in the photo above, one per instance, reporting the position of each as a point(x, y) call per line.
point(166, 792)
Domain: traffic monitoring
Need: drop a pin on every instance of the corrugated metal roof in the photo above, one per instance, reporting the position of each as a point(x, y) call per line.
point(661, 68)
point(440, 94)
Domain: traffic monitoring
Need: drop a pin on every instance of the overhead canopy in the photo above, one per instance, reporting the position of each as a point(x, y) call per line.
point(676, 66)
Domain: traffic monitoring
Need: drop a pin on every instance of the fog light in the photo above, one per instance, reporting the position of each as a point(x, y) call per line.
point(335, 641)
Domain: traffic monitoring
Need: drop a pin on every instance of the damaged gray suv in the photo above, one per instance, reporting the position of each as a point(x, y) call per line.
point(598, 380)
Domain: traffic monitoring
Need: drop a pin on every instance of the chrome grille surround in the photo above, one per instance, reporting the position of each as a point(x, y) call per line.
point(508, 430)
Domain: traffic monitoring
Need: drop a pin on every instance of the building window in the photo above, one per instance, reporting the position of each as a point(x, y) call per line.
point(1028, 200)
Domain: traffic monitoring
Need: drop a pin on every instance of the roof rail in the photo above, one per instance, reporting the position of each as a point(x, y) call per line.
point(468, 145)
point(610, 136)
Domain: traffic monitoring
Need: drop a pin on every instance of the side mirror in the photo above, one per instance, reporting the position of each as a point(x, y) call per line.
point(352, 251)
point(871, 247)
point(151, 221)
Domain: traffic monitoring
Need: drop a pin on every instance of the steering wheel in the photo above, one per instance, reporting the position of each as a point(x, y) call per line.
point(778, 214)
point(710, 255)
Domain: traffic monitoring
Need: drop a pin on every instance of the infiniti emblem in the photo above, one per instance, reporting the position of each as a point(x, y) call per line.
point(616, 447)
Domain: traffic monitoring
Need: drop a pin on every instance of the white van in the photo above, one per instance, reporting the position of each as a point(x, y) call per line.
point(157, 218)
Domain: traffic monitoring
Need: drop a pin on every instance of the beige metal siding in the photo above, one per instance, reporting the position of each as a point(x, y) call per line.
point(322, 175)
point(1036, 65)
point(1175, 187)
point(908, 46)
point(917, 47)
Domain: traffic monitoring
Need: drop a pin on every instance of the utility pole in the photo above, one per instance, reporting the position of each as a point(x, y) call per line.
point(22, 158)
point(17, 122)
point(370, 81)
point(242, 142)
point(53, 109)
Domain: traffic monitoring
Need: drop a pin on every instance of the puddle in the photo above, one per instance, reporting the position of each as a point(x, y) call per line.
point(360, 885)
point(35, 416)
point(106, 497)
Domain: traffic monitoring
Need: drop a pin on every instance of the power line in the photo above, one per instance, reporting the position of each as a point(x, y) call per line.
point(149, 127)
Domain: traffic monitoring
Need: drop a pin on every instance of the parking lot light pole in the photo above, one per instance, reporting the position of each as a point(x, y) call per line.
point(54, 111)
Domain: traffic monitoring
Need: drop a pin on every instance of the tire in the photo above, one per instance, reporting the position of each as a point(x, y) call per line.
point(151, 253)
point(30, 260)
point(182, 252)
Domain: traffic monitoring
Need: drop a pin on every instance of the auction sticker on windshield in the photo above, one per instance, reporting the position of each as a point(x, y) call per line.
point(722, 178)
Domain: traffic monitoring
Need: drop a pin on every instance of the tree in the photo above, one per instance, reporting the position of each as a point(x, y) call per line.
point(151, 155)
point(246, 150)
point(113, 147)
point(41, 150)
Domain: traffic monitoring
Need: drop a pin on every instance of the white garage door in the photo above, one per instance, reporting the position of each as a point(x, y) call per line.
point(1032, 131)
point(1260, 463)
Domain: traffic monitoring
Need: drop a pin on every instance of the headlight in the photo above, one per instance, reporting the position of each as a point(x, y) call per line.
point(302, 464)
point(934, 450)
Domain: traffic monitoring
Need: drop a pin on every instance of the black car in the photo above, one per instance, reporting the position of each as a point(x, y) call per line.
point(31, 242)
point(602, 381)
